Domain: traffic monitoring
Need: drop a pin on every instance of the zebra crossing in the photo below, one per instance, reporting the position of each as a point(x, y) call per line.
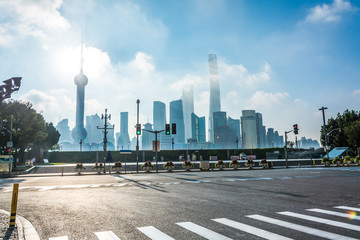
point(352, 228)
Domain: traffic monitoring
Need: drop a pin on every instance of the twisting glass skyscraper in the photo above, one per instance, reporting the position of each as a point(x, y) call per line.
point(215, 105)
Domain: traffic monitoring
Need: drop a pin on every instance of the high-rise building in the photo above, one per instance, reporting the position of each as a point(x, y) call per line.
point(215, 105)
point(64, 130)
point(79, 133)
point(260, 131)
point(159, 115)
point(248, 129)
point(188, 109)
point(270, 138)
point(124, 139)
point(147, 137)
point(94, 135)
point(224, 136)
point(234, 125)
point(198, 130)
point(177, 117)
point(159, 120)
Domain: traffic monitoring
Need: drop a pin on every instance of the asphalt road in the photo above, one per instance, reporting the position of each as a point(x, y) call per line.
point(132, 206)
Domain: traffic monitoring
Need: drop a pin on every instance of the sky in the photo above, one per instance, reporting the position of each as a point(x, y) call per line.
point(284, 59)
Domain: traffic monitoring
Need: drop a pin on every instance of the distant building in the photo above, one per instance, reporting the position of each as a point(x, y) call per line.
point(177, 117)
point(215, 104)
point(124, 139)
point(248, 129)
point(147, 137)
point(159, 120)
point(224, 136)
point(234, 125)
point(188, 108)
point(96, 135)
point(260, 131)
point(307, 143)
point(270, 138)
point(64, 130)
point(198, 130)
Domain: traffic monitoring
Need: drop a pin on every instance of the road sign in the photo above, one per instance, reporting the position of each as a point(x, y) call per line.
point(158, 146)
point(9, 144)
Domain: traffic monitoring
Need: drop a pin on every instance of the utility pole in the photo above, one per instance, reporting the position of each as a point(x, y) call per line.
point(10, 144)
point(106, 117)
point(324, 128)
point(137, 138)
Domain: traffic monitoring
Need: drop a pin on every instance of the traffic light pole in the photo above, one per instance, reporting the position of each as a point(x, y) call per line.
point(137, 138)
point(156, 150)
point(324, 128)
point(286, 153)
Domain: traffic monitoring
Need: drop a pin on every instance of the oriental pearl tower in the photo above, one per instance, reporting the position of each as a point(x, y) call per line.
point(79, 132)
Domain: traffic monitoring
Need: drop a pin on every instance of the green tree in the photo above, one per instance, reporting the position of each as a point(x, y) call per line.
point(353, 135)
point(339, 138)
point(29, 127)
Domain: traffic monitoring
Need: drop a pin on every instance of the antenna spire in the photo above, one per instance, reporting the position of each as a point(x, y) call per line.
point(82, 58)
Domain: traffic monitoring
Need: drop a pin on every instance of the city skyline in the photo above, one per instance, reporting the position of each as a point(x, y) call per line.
point(285, 66)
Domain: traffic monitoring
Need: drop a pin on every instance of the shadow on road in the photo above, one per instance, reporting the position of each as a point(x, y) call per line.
point(144, 186)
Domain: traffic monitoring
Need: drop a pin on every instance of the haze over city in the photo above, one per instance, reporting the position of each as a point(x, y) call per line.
point(284, 59)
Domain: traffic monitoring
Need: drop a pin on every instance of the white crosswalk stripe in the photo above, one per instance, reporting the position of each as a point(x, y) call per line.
point(204, 232)
point(338, 214)
point(348, 208)
point(250, 229)
point(300, 228)
point(322, 220)
point(154, 233)
point(59, 238)
point(108, 235)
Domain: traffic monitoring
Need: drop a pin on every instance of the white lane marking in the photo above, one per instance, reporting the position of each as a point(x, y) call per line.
point(108, 235)
point(206, 233)
point(338, 214)
point(300, 228)
point(322, 220)
point(250, 229)
point(59, 238)
point(348, 208)
point(154, 233)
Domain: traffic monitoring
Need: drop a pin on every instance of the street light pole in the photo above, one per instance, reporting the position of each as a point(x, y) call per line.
point(324, 128)
point(137, 138)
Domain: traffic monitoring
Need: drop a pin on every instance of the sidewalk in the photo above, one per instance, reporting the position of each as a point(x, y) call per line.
point(23, 230)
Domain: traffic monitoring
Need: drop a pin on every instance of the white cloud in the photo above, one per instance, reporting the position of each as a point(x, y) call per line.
point(52, 104)
point(329, 13)
point(240, 75)
point(356, 91)
point(32, 17)
point(264, 99)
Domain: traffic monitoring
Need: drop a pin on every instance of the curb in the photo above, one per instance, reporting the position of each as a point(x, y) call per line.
point(26, 230)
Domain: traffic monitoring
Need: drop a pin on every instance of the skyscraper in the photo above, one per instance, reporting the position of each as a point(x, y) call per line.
point(260, 131)
point(177, 117)
point(124, 139)
point(79, 133)
point(198, 128)
point(248, 129)
point(234, 125)
point(215, 105)
point(64, 130)
point(147, 138)
point(223, 134)
point(159, 120)
point(188, 109)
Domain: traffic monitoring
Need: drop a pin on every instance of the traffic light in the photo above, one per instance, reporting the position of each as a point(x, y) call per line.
point(8, 150)
point(138, 129)
point(296, 129)
point(173, 128)
point(167, 129)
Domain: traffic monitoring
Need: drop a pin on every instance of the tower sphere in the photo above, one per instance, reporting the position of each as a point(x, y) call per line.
point(81, 80)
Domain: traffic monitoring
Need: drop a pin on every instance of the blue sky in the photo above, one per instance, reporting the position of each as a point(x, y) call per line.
point(285, 59)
